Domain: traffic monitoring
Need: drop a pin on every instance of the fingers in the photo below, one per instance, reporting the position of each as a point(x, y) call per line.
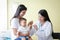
point(30, 23)
point(35, 26)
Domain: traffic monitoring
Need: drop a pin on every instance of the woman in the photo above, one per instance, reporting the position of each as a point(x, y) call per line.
point(43, 26)
point(20, 12)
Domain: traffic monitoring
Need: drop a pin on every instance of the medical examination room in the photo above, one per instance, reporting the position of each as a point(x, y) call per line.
point(29, 19)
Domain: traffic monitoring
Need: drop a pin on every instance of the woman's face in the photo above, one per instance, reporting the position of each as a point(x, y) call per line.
point(41, 18)
point(22, 13)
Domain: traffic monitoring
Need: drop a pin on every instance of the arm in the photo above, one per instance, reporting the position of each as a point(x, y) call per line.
point(14, 25)
point(28, 34)
point(30, 24)
point(48, 30)
point(18, 34)
point(14, 31)
point(21, 34)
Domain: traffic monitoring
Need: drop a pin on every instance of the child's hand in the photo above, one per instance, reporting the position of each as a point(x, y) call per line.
point(30, 23)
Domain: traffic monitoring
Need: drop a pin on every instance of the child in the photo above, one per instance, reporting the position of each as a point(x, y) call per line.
point(23, 31)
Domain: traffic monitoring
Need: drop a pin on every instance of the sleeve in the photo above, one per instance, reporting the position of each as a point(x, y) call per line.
point(14, 23)
point(32, 31)
point(46, 32)
point(40, 33)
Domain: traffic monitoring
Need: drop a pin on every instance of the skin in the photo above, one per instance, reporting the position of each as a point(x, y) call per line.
point(30, 24)
point(22, 13)
point(41, 19)
point(23, 23)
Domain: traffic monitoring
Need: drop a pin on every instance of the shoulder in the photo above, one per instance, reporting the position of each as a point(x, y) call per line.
point(14, 19)
point(14, 23)
point(47, 23)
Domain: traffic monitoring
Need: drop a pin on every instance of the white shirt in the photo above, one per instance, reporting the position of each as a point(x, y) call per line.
point(23, 30)
point(14, 24)
point(45, 31)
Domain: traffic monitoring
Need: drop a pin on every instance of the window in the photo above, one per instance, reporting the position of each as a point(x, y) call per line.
point(3, 15)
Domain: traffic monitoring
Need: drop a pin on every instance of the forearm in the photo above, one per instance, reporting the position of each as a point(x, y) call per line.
point(14, 31)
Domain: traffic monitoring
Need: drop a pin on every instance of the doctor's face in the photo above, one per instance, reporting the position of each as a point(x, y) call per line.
point(41, 18)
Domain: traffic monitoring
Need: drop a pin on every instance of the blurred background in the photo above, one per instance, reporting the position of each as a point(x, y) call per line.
point(33, 6)
point(8, 9)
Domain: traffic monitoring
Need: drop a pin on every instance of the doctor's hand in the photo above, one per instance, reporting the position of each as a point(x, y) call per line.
point(35, 26)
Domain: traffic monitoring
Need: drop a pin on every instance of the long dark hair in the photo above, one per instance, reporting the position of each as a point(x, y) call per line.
point(44, 13)
point(20, 8)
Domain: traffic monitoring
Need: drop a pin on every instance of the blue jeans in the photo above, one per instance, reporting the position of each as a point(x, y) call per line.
point(20, 38)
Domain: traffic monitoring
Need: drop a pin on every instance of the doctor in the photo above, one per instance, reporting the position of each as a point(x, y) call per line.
point(43, 26)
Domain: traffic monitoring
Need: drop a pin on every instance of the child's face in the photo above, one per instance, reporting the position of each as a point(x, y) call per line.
point(23, 23)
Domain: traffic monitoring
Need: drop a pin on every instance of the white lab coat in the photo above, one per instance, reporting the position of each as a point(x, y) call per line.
point(45, 31)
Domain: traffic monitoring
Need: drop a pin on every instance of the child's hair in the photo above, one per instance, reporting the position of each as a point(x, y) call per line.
point(22, 19)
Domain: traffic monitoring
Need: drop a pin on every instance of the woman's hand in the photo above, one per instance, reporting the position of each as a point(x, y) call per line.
point(30, 38)
point(35, 26)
